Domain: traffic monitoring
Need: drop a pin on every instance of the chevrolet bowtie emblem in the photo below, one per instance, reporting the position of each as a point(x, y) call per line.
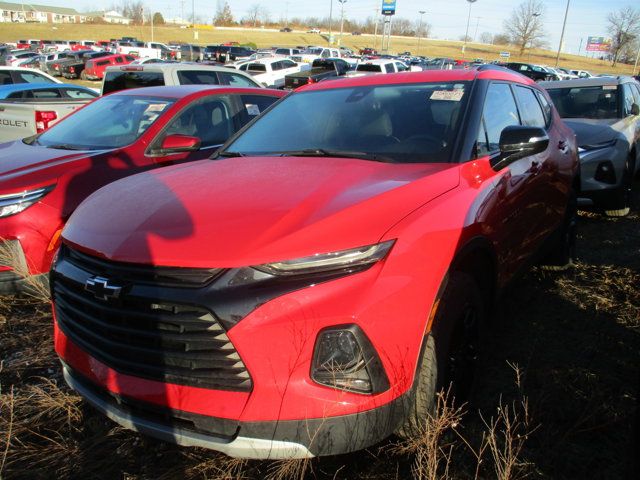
point(101, 289)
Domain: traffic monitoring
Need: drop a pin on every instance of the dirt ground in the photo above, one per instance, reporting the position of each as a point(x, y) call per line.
point(575, 338)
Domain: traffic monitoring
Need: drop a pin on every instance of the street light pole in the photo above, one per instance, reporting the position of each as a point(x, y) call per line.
point(330, 20)
point(564, 25)
point(375, 30)
point(421, 12)
point(342, 2)
point(466, 35)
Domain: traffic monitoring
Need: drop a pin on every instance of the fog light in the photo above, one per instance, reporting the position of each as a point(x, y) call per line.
point(345, 359)
point(605, 173)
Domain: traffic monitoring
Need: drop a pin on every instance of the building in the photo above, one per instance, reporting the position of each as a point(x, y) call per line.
point(110, 16)
point(27, 12)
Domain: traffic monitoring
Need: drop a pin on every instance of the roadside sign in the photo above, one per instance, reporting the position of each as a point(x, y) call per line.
point(505, 54)
point(388, 7)
point(598, 44)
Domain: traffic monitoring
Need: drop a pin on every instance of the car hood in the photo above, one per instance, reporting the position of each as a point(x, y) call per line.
point(591, 131)
point(18, 159)
point(252, 210)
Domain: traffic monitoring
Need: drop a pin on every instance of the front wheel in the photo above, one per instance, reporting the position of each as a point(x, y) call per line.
point(450, 353)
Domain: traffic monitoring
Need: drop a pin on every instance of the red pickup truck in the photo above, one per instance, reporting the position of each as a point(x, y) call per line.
point(94, 69)
point(43, 178)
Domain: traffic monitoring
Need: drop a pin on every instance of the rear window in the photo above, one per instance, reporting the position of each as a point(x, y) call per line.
point(195, 77)
point(257, 67)
point(79, 93)
point(32, 77)
point(116, 81)
point(586, 102)
point(366, 67)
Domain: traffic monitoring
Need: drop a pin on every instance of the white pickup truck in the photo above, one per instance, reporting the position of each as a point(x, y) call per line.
point(145, 50)
point(27, 109)
point(313, 53)
point(270, 72)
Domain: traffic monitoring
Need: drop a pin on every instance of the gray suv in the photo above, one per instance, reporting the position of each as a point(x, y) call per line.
point(604, 113)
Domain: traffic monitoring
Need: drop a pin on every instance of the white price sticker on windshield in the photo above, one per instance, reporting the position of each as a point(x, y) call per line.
point(609, 87)
point(252, 109)
point(450, 95)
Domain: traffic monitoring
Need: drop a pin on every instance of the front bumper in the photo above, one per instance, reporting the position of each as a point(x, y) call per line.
point(594, 186)
point(272, 440)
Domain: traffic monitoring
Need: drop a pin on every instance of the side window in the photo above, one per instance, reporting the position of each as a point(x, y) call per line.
point(499, 112)
point(5, 78)
point(16, 95)
point(523, 68)
point(32, 77)
point(389, 68)
point(103, 62)
point(627, 101)
point(129, 58)
point(325, 54)
point(119, 60)
point(210, 119)
point(546, 108)
point(288, 64)
point(636, 93)
point(530, 110)
point(236, 80)
point(243, 67)
point(53, 93)
point(195, 77)
point(79, 94)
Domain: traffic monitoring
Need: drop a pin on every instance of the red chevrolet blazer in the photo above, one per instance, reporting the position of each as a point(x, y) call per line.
point(308, 290)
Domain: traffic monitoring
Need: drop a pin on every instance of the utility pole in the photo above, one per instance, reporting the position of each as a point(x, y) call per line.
point(475, 34)
point(466, 35)
point(182, 10)
point(421, 12)
point(286, 14)
point(151, 23)
point(341, 2)
point(564, 25)
point(330, 21)
point(375, 28)
point(193, 13)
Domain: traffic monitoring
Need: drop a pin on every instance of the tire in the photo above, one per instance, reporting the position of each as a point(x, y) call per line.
point(619, 205)
point(83, 76)
point(450, 353)
point(562, 254)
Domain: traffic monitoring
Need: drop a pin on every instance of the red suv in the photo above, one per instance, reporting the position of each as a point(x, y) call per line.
point(308, 291)
point(94, 69)
point(44, 178)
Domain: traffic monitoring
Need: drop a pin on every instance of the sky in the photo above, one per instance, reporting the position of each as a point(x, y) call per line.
point(448, 18)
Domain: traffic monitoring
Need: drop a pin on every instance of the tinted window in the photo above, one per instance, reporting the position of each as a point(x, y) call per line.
point(389, 68)
point(256, 67)
point(368, 67)
point(53, 93)
point(395, 123)
point(119, 60)
point(195, 77)
point(103, 62)
point(32, 77)
point(5, 78)
point(530, 111)
point(586, 102)
point(115, 120)
point(236, 80)
point(129, 58)
point(288, 64)
point(499, 112)
point(115, 81)
point(326, 54)
point(282, 51)
point(254, 105)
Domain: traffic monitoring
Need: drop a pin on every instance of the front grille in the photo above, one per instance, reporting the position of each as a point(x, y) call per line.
point(141, 333)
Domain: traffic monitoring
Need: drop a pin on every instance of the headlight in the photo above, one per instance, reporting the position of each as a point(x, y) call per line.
point(596, 146)
point(325, 262)
point(17, 202)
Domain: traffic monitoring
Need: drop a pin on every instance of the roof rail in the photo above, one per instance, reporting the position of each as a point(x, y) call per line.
point(491, 66)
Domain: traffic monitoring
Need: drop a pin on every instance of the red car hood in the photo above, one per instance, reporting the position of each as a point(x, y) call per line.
point(247, 211)
point(18, 159)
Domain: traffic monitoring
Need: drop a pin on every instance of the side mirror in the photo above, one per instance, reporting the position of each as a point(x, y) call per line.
point(178, 144)
point(635, 109)
point(517, 142)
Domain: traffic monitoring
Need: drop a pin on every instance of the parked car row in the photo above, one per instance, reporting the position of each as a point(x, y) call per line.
point(279, 274)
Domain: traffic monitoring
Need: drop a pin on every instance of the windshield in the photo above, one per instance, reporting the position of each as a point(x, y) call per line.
point(394, 123)
point(109, 122)
point(313, 51)
point(586, 102)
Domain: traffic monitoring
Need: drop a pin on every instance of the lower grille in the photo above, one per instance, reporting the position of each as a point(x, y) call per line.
point(146, 337)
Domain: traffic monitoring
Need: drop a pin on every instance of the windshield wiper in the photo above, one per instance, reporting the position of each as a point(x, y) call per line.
point(227, 154)
point(66, 146)
point(321, 152)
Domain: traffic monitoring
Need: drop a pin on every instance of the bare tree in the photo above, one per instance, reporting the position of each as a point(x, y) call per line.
point(253, 14)
point(223, 17)
point(624, 27)
point(486, 37)
point(525, 25)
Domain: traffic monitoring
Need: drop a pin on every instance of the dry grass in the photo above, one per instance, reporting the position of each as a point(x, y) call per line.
point(11, 256)
point(262, 38)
